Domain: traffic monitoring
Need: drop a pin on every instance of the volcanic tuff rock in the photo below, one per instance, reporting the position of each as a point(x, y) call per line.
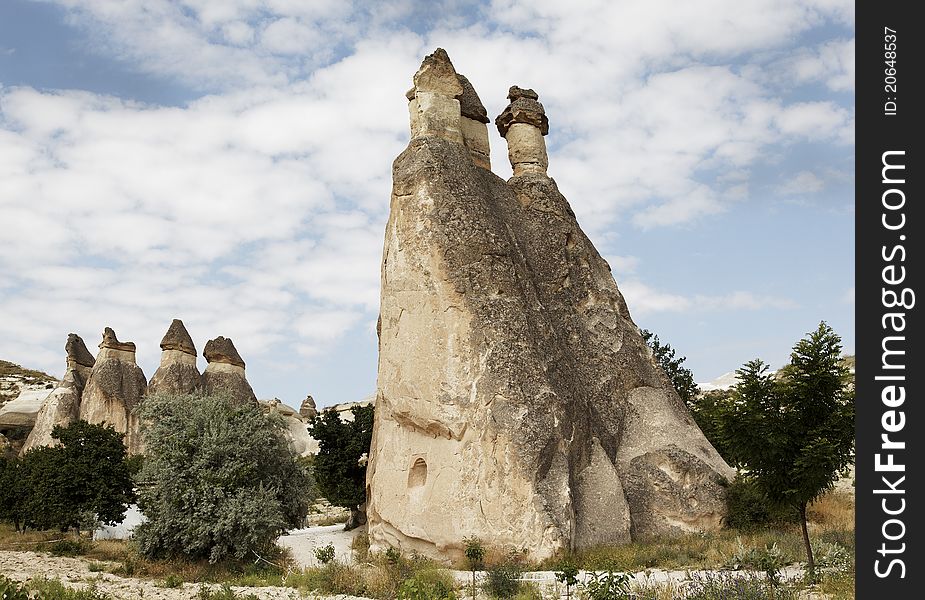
point(308, 410)
point(517, 400)
point(177, 373)
point(225, 371)
point(62, 407)
point(115, 387)
point(296, 431)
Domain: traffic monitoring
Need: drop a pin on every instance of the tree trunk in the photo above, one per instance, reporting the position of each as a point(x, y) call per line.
point(357, 517)
point(810, 564)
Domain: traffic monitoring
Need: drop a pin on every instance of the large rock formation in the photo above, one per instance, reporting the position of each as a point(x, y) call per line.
point(225, 371)
point(308, 410)
point(62, 407)
point(114, 389)
point(517, 400)
point(177, 373)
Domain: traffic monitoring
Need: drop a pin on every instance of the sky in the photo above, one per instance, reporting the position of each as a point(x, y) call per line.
point(228, 162)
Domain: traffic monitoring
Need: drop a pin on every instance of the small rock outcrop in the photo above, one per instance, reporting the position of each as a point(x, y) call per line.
point(517, 401)
point(308, 410)
point(62, 406)
point(114, 389)
point(225, 371)
point(296, 431)
point(177, 373)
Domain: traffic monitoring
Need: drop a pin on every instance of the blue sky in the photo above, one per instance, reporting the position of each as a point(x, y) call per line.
point(228, 162)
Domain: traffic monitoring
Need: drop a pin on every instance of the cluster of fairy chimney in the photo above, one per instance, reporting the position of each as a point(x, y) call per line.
point(444, 103)
point(109, 387)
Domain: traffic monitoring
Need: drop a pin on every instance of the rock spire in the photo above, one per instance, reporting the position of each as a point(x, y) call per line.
point(114, 389)
point(225, 371)
point(177, 373)
point(516, 399)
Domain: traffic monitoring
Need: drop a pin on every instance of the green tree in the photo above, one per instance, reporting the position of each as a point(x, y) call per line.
point(710, 412)
point(681, 377)
point(85, 479)
point(340, 465)
point(219, 479)
point(12, 493)
point(794, 433)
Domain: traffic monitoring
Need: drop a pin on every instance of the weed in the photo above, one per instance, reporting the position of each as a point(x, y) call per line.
point(428, 584)
point(172, 581)
point(708, 586)
point(53, 589)
point(10, 590)
point(607, 586)
point(325, 554)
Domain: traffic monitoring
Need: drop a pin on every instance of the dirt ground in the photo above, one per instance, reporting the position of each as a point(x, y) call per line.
point(302, 543)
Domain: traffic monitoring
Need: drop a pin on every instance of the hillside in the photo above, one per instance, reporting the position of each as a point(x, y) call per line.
point(14, 378)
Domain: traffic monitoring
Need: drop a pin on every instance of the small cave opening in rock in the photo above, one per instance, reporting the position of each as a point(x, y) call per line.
point(418, 473)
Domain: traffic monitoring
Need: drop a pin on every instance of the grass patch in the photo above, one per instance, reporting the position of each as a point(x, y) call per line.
point(53, 589)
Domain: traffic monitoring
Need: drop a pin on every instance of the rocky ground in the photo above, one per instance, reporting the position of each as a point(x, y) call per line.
point(303, 542)
point(76, 573)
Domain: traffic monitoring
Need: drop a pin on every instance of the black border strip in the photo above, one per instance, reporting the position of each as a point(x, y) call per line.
point(889, 261)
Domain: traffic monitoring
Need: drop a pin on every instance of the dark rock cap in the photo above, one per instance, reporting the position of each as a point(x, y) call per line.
point(222, 350)
point(178, 338)
point(111, 341)
point(515, 92)
point(524, 108)
point(77, 351)
point(470, 105)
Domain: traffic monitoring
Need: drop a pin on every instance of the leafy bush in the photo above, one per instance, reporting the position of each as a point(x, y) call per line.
point(833, 557)
point(70, 547)
point(749, 508)
point(769, 559)
point(568, 575)
point(607, 586)
point(325, 554)
point(223, 479)
point(429, 584)
point(709, 586)
point(502, 580)
point(10, 590)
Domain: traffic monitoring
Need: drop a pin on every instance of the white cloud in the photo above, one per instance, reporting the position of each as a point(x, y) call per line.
point(831, 63)
point(643, 299)
point(258, 211)
point(804, 182)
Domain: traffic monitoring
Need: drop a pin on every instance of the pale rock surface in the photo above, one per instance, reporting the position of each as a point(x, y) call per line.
point(23, 410)
point(177, 373)
point(114, 389)
point(62, 407)
point(523, 125)
point(296, 429)
point(517, 400)
point(225, 371)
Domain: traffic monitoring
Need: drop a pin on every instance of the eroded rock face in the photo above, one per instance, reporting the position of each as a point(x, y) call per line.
point(114, 389)
point(517, 400)
point(177, 373)
point(225, 371)
point(308, 410)
point(62, 407)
